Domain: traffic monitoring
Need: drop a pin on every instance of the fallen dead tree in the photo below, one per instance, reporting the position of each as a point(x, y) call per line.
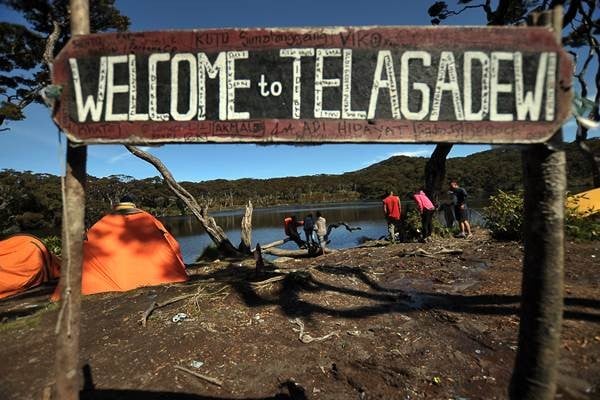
point(300, 253)
point(214, 231)
point(309, 251)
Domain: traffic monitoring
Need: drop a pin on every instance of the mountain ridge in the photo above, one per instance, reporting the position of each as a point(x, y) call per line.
point(33, 200)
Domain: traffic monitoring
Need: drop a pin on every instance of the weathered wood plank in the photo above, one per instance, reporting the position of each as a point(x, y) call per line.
point(315, 85)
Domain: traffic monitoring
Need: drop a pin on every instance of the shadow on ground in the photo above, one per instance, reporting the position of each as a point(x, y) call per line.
point(115, 394)
point(290, 301)
point(289, 391)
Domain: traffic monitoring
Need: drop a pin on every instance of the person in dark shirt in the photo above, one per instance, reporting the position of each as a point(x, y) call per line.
point(460, 209)
point(309, 227)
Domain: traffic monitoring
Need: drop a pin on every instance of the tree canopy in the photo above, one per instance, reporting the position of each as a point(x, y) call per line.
point(580, 30)
point(27, 50)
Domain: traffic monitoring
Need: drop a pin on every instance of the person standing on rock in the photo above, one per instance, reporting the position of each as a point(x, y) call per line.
point(321, 229)
point(426, 209)
point(460, 210)
point(309, 228)
point(391, 210)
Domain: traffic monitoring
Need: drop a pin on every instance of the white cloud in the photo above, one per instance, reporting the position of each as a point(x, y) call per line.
point(124, 154)
point(416, 153)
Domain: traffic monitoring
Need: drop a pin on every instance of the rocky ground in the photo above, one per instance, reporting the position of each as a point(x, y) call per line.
point(382, 322)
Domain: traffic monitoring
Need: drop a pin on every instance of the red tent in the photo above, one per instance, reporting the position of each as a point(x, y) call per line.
point(126, 250)
point(25, 262)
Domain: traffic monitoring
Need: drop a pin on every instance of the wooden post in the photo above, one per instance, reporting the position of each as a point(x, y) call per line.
point(68, 376)
point(534, 375)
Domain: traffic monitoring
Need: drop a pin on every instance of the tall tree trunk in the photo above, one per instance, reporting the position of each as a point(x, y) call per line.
point(534, 376)
point(66, 364)
point(67, 374)
point(542, 297)
point(214, 231)
point(435, 171)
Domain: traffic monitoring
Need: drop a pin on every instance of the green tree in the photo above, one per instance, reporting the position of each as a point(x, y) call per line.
point(27, 50)
point(581, 26)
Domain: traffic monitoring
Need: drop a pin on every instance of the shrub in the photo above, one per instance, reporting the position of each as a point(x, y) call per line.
point(53, 244)
point(504, 219)
point(504, 215)
point(581, 226)
point(411, 226)
point(440, 229)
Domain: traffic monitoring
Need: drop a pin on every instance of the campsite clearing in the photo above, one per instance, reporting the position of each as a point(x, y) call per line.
point(367, 323)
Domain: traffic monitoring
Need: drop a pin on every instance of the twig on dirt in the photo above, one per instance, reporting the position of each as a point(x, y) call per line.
point(305, 337)
point(214, 381)
point(202, 292)
point(267, 281)
point(156, 305)
point(424, 253)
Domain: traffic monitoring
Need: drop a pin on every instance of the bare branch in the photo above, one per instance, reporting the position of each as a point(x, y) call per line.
point(571, 12)
point(349, 228)
point(488, 9)
point(214, 231)
point(51, 44)
point(466, 8)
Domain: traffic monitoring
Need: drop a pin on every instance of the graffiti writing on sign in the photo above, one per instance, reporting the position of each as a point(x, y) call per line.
point(322, 85)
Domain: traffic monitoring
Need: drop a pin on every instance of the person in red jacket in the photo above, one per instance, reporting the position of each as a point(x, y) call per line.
point(391, 210)
point(426, 209)
point(290, 225)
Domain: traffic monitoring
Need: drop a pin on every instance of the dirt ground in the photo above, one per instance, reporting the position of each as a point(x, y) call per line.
point(375, 323)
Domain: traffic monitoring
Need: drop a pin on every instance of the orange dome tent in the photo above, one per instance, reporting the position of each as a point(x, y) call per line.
point(126, 250)
point(25, 262)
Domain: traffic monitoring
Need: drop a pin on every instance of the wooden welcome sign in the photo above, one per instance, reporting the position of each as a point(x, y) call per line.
point(315, 85)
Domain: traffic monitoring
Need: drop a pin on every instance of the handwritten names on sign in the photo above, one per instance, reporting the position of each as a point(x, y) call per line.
point(376, 84)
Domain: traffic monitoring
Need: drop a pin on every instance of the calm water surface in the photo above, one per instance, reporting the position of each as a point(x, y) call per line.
point(267, 225)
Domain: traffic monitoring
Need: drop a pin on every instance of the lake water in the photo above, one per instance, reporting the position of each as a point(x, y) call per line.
point(267, 225)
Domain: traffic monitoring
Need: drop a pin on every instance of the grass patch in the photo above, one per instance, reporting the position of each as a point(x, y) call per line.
point(28, 321)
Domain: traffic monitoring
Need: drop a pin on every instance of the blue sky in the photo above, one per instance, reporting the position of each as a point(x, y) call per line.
point(35, 144)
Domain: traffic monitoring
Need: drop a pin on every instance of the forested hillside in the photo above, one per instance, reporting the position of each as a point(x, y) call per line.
point(32, 201)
